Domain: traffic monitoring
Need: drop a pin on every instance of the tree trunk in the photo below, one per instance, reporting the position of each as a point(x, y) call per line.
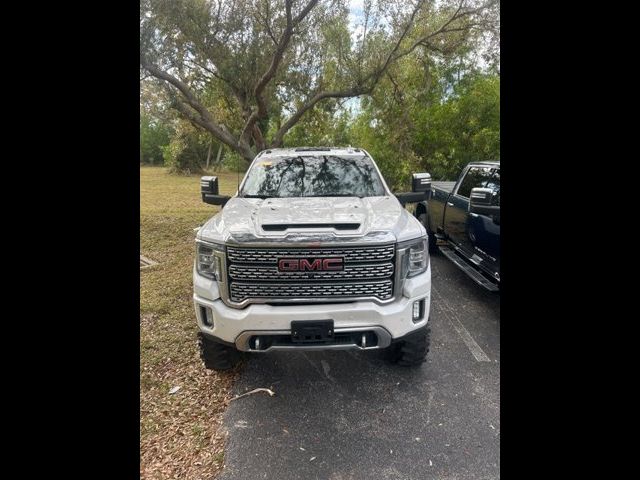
point(218, 156)
point(209, 153)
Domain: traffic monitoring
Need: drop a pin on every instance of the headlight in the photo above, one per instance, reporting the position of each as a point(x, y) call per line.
point(416, 258)
point(207, 262)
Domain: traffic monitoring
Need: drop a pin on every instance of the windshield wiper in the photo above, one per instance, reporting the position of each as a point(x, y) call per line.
point(255, 196)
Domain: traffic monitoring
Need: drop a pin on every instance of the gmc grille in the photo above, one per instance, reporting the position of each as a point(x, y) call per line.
point(253, 274)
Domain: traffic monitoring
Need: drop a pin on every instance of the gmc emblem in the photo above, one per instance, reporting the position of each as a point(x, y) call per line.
point(310, 264)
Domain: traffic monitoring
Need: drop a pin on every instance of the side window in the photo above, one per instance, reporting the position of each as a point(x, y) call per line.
point(475, 177)
point(495, 184)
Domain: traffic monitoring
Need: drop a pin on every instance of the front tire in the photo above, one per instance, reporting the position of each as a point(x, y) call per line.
point(217, 356)
point(412, 350)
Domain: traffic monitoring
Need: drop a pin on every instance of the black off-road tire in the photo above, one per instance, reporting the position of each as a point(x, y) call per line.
point(433, 246)
point(412, 350)
point(217, 356)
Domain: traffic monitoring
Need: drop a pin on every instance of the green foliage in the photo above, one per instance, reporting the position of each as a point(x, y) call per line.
point(248, 71)
point(438, 126)
point(391, 154)
point(429, 120)
point(233, 163)
point(186, 154)
point(154, 137)
point(321, 127)
point(464, 128)
point(424, 104)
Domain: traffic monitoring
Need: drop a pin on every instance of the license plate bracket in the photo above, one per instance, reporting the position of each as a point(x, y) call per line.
point(312, 331)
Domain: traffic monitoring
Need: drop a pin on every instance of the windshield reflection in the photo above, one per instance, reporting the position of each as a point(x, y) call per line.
point(313, 176)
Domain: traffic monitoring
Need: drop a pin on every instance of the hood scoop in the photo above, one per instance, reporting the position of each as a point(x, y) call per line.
point(281, 227)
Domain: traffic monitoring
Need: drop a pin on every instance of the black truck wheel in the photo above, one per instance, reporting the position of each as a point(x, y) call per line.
point(217, 356)
point(433, 247)
point(412, 350)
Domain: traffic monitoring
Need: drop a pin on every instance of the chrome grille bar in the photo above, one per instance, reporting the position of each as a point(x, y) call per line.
point(255, 272)
point(240, 291)
point(271, 255)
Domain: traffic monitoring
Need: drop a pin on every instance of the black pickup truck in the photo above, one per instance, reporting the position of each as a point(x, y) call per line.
point(462, 219)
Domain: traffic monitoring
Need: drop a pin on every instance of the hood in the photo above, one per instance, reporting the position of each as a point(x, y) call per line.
point(312, 219)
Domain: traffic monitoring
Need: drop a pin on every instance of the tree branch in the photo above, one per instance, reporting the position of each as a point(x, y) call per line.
point(458, 14)
point(391, 55)
point(204, 118)
point(309, 104)
point(261, 111)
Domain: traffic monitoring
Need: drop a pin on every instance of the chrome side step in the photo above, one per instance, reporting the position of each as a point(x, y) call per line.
point(467, 268)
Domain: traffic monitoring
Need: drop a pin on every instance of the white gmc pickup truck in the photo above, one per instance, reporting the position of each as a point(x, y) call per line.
point(313, 252)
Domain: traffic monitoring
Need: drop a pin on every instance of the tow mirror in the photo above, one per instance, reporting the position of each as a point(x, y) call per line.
point(411, 197)
point(421, 182)
point(420, 189)
point(209, 191)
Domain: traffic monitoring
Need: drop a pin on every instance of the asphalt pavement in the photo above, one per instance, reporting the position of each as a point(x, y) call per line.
point(350, 415)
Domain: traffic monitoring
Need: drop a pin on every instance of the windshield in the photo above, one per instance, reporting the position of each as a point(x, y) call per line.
point(313, 176)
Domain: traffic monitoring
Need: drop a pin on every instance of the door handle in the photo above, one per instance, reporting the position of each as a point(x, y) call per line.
point(450, 204)
point(473, 214)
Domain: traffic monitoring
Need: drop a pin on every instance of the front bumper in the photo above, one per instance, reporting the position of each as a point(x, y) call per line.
point(229, 324)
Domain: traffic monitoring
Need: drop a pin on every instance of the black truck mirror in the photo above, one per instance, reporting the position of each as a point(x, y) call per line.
point(421, 182)
point(420, 189)
point(480, 202)
point(209, 191)
point(411, 197)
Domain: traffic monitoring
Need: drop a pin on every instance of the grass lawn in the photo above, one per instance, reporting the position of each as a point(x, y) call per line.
point(180, 434)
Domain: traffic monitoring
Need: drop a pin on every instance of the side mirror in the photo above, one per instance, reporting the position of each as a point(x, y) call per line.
point(421, 182)
point(209, 191)
point(420, 189)
point(480, 202)
point(411, 197)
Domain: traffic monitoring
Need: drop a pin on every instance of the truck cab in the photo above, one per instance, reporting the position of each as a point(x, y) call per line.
point(462, 219)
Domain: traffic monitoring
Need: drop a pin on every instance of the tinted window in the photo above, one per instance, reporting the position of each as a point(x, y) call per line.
point(313, 176)
point(476, 177)
point(495, 184)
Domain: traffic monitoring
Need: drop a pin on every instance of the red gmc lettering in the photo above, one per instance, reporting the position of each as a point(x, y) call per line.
point(305, 265)
point(288, 265)
point(332, 264)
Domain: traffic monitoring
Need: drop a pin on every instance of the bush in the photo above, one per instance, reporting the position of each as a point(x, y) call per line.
point(154, 138)
point(185, 155)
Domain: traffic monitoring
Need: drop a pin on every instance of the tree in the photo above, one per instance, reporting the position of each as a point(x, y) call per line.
point(190, 149)
point(248, 71)
point(433, 116)
point(464, 128)
point(154, 136)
